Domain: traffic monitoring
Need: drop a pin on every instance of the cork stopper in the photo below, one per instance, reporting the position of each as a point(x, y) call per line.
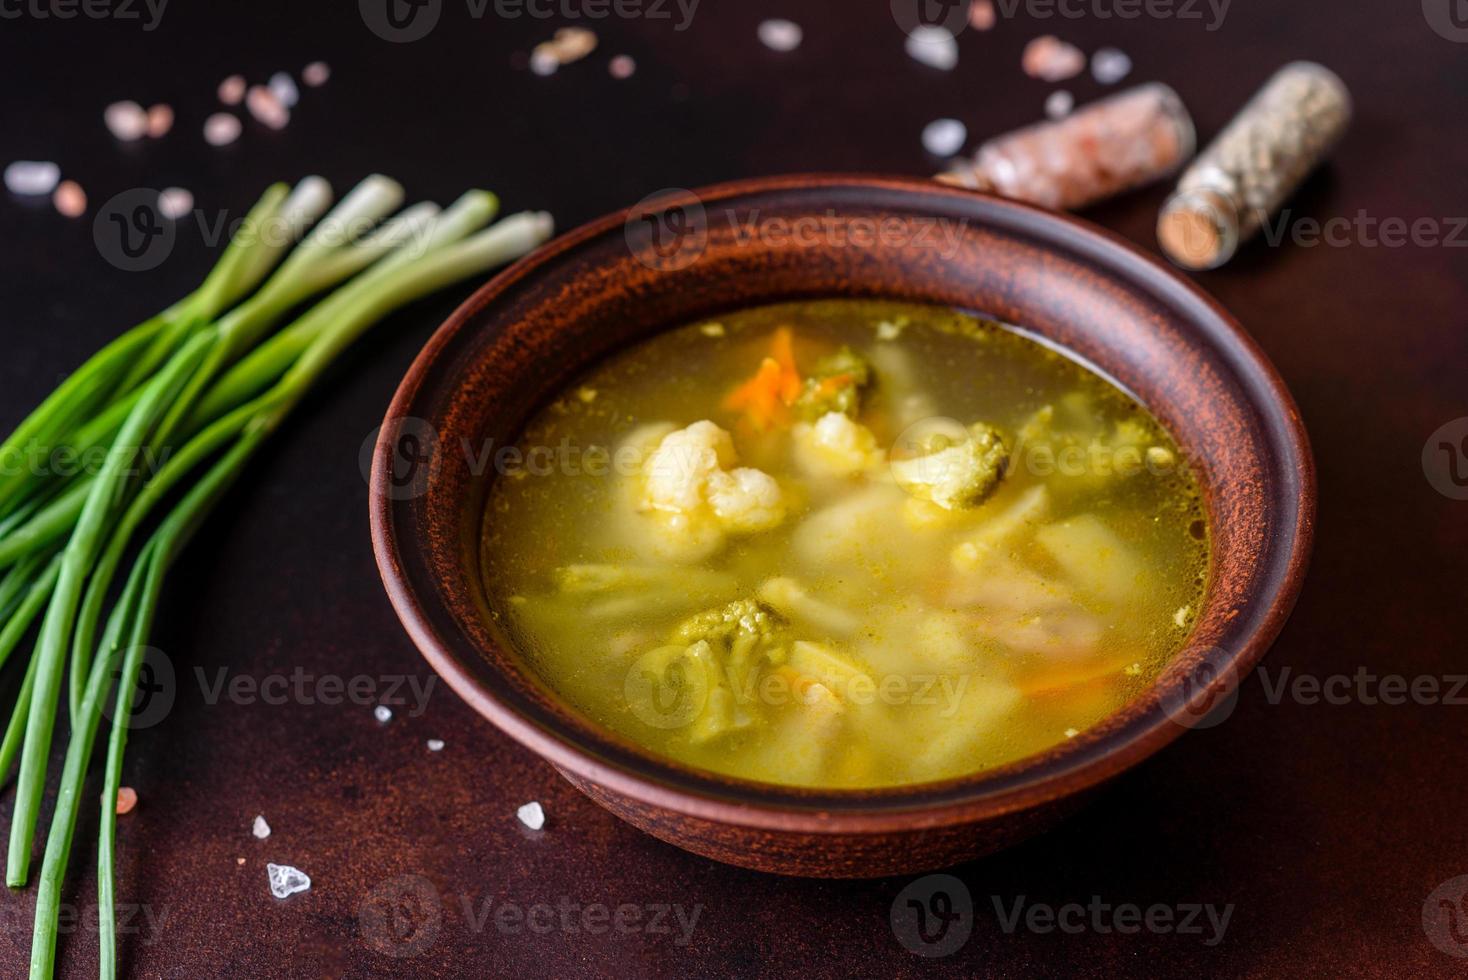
point(1197, 230)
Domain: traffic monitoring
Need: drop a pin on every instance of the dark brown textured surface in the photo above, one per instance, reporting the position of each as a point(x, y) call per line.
point(515, 344)
point(1327, 826)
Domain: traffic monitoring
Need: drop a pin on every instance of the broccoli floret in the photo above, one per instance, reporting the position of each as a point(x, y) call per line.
point(955, 473)
point(745, 623)
point(836, 385)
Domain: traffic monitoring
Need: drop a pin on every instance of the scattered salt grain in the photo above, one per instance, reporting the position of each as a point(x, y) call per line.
point(32, 177)
point(286, 881)
point(778, 34)
point(382, 713)
point(435, 745)
point(240, 862)
point(1051, 59)
point(266, 107)
point(316, 74)
point(174, 202)
point(125, 120)
point(127, 798)
point(232, 90)
point(283, 87)
point(622, 66)
point(981, 15)
point(1109, 66)
point(569, 44)
point(944, 137)
point(160, 120)
point(69, 200)
point(261, 829)
point(544, 62)
point(1059, 103)
point(221, 129)
point(932, 46)
point(531, 815)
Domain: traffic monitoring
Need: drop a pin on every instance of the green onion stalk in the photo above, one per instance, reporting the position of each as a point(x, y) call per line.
point(200, 387)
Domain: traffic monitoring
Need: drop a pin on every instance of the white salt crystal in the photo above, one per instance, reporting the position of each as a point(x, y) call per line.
point(174, 202)
point(933, 46)
point(32, 177)
point(544, 62)
point(283, 87)
point(125, 120)
point(944, 137)
point(221, 129)
point(261, 830)
point(435, 745)
point(1059, 103)
point(531, 815)
point(286, 881)
point(780, 35)
point(316, 73)
point(1109, 66)
point(382, 713)
point(622, 66)
point(232, 90)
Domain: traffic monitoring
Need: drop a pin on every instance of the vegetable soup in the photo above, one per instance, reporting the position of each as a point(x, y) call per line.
point(845, 544)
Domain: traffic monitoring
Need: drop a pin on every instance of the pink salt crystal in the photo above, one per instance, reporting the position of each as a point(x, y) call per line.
point(1052, 60)
point(69, 199)
point(126, 120)
point(315, 74)
point(127, 798)
point(221, 129)
point(232, 90)
point(622, 66)
point(981, 15)
point(266, 108)
point(174, 202)
point(160, 120)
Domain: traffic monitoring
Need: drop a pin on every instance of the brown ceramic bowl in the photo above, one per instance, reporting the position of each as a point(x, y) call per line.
point(534, 328)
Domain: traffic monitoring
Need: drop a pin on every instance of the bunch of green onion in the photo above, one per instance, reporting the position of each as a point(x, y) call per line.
point(199, 386)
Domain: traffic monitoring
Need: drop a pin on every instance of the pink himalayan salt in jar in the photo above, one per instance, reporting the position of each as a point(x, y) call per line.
point(1123, 141)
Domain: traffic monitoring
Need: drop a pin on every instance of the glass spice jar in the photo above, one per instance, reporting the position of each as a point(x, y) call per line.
point(1258, 160)
point(1109, 146)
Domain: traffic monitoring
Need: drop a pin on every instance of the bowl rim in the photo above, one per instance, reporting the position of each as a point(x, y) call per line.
point(1022, 784)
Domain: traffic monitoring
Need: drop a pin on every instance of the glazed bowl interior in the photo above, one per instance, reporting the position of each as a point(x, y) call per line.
point(532, 331)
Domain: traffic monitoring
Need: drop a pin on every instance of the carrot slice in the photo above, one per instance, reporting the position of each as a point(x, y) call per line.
point(765, 398)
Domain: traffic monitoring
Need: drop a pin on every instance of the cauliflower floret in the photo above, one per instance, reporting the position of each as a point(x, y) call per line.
point(835, 446)
point(679, 468)
point(746, 500)
point(954, 473)
point(695, 498)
